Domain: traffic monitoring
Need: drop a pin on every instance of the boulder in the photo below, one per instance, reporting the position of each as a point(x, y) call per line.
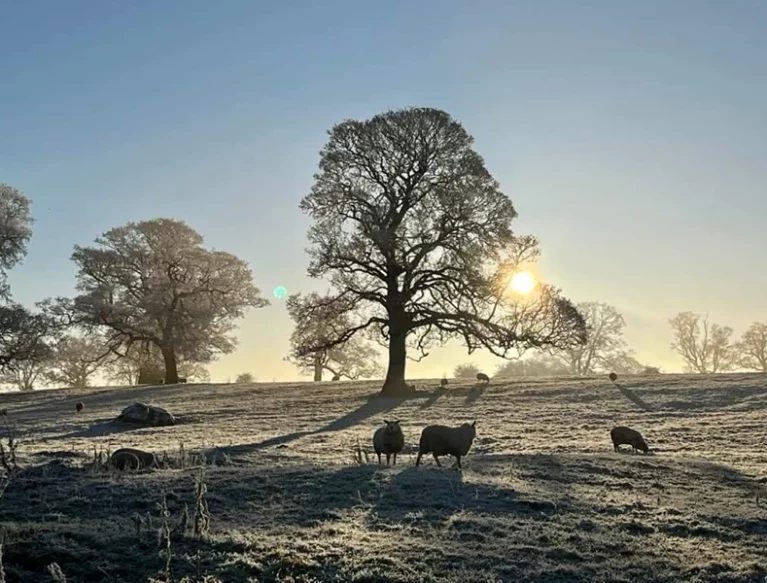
point(148, 415)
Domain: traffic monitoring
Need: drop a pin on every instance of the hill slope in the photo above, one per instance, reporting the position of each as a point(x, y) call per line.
point(542, 496)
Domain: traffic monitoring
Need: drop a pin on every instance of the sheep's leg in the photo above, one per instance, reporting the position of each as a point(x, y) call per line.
point(616, 448)
point(458, 460)
point(436, 459)
point(394, 463)
point(379, 457)
point(418, 459)
point(388, 459)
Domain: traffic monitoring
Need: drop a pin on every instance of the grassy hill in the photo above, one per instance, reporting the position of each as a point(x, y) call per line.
point(294, 492)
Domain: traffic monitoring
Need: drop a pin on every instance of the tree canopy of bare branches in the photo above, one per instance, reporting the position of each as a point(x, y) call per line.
point(415, 236)
point(752, 348)
point(153, 283)
point(705, 347)
point(317, 322)
point(605, 345)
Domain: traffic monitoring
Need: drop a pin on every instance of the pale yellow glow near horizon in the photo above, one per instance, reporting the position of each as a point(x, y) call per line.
point(522, 282)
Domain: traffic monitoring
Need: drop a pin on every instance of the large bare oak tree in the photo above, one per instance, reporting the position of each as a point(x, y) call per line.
point(415, 236)
point(154, 283)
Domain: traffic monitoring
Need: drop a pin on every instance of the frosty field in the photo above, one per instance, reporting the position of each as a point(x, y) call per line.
point(295, 493)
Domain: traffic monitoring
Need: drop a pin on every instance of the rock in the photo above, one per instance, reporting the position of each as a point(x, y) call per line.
point(149, 415)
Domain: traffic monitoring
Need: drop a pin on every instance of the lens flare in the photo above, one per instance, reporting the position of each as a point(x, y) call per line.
point(280, 292)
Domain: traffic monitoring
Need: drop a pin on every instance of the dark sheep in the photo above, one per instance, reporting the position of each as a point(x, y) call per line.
point(613, 377)
point(483, 377)
point(441, 440)
point(79, 406)
point(443, 383)
point(388, 440)
point(336, 378)
point(626, 436)
point(133, 459)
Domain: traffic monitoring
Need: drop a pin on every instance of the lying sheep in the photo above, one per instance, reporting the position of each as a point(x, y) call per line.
point(390, 440)
point(483, 377)
point(336, 378)
point(626, 436)
point(128, 458)
point(443, 383)
point(440, 440)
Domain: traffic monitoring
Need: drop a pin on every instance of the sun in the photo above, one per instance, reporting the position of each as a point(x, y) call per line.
point(522, 282)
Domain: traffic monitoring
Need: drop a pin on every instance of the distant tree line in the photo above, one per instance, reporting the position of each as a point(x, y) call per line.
point(708, 348)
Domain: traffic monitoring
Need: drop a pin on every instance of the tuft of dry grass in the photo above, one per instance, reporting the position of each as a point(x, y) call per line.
point(274, 494)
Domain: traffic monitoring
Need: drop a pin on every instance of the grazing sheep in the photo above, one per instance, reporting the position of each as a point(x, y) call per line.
point(133, 459)
point(483, 377)
point(336, 378)
point(626, 436)
point(389, 440)
point(613, 377)
point(440, 440)
point(79, 406)
point(443, 383)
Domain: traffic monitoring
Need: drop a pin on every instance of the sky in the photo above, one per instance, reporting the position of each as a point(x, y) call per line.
point(631, 136)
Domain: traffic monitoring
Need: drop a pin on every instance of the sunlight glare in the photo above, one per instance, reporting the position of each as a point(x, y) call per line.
point(522, 282)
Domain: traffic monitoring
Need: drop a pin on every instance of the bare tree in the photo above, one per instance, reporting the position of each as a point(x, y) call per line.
point(142, 364)
point(752, 348)
point(25, 373)
point(465, 371)
point(416, 238)
point(76, 359)
point(704, 347)
point(153, 283)
point(317, 321)
point(604, 340)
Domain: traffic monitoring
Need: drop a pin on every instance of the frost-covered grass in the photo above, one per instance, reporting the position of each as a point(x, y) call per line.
point(542, 496)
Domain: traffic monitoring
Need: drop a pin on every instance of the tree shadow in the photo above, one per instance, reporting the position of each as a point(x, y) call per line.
point(374, 405)
point(633, 397)
point(434, 397)
point(100, 429)
point(476, 393)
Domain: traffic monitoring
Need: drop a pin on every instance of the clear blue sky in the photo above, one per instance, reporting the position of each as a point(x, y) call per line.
point(632, 136)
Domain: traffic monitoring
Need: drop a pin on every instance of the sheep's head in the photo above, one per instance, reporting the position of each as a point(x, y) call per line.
point(642, 445)
point(392, 426)
point(470, 429)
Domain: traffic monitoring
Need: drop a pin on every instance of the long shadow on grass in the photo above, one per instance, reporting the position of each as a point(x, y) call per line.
point(374, 405)
point(633, 397)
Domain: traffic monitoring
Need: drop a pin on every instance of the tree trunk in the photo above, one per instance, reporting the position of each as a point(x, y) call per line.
point(317, 368)
point(395, 385)
point(171, 372)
